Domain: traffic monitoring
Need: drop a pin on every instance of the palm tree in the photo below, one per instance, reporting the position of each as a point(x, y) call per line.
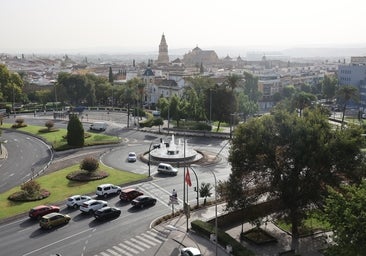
point(346, 93)
point(205, 191)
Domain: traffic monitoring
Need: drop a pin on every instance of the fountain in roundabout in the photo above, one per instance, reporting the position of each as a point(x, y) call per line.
point(174, 152)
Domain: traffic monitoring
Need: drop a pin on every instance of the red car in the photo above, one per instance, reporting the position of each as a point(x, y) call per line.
point(129, 194)
point(41, 210)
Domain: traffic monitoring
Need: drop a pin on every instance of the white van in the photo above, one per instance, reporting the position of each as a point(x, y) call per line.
point(98, 126)
point(167, 169)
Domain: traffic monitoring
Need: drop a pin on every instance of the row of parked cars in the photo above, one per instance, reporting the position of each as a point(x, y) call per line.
point(49, 216)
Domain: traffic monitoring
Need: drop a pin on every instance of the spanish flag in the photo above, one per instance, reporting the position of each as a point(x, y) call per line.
point(188, 178)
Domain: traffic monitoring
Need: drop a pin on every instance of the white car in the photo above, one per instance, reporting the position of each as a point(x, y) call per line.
point(190, 251)
point(167, 169)
point(108, 189)
point(76, 200)
point(92, 205)
point(131, 157)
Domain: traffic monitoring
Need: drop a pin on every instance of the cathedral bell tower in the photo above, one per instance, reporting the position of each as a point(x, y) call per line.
point(163, 58)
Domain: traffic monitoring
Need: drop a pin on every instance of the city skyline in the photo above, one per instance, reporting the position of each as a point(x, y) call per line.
point(96, 26)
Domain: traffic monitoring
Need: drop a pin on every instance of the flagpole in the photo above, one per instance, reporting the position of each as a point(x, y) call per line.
point(185, 166)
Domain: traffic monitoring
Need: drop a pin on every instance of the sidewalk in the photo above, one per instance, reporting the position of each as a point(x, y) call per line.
point(176, 233)
point(176, 228)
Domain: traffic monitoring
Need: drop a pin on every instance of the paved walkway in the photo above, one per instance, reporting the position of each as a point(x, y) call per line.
point(177, 227)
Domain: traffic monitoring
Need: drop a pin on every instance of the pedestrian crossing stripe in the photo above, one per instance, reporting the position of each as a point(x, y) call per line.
point(134, 245)
point(128, 248)
point(156, 235)
point(146, 240)
point(113, 252)
point(140, 243)
point(152, 238)
point(137, 244)
point(122, 251)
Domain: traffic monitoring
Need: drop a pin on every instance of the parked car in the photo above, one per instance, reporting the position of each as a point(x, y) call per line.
point(53, 220)
point(107, 213)
point(98, 126)
point(129, 194)
point(76, 200)
point(190, 251)
point(41, 210)
point(131, 157)
point(92, 205)
point(108, 189)
point(143, 201)
point(167, 169)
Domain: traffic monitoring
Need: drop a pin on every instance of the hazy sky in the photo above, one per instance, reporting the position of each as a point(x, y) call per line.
point(50, 25)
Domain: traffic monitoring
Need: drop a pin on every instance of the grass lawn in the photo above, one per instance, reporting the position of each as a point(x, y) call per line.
point(56, 138)
point(61, 188)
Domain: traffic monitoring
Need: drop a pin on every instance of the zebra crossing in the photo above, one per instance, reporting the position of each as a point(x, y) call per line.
point(137, 244)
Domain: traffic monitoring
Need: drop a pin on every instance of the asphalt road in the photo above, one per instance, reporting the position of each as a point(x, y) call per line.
point(27, 156)
point(130, 233)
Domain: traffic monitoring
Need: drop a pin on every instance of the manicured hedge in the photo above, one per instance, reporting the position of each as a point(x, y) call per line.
point(224, 239)
point(148, 122)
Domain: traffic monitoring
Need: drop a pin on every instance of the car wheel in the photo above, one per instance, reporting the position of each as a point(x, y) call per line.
point(90, 211)
point(141, 206)
point(75, 206)
point(105, 195)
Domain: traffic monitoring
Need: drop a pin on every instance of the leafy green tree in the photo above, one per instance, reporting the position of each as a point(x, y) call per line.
point(158, 122)
point(223, 105)
point(292, 158)
point(75, 132)
point(346, 93)
point(345, 211)
point(288, 91)
point(245, 105)
point(205, 191)
point(232, 81)
point(251, 86)
point(329, 87)
point(110, 75)
point(302, 100)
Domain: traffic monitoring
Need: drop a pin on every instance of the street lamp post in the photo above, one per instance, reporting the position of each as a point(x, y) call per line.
point(215, 210)
point(195, 174)
point(149, 163)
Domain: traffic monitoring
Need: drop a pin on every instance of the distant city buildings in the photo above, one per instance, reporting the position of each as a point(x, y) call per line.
point(165, 78)
point(354, 74)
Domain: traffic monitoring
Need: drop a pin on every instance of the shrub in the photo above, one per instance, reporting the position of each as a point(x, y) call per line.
point(19, 122)
point(202, 126)
point(89, 164)
point(49, 124)
point(31, 188)
point(148, 122)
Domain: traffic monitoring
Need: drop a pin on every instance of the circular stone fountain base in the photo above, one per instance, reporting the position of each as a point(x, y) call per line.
point(173, 153)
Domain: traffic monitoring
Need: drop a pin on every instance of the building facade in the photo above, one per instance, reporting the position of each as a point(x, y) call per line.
point(354, 74)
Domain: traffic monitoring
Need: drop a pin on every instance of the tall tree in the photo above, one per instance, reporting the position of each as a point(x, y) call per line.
point(110, 75)
point(302, 100)
point(346, 93)
point(292, 158)
point(251, 86)
point(345, 211)
point(232, 81)
point(223, 104)
point(75, 132)
point(329, 87)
